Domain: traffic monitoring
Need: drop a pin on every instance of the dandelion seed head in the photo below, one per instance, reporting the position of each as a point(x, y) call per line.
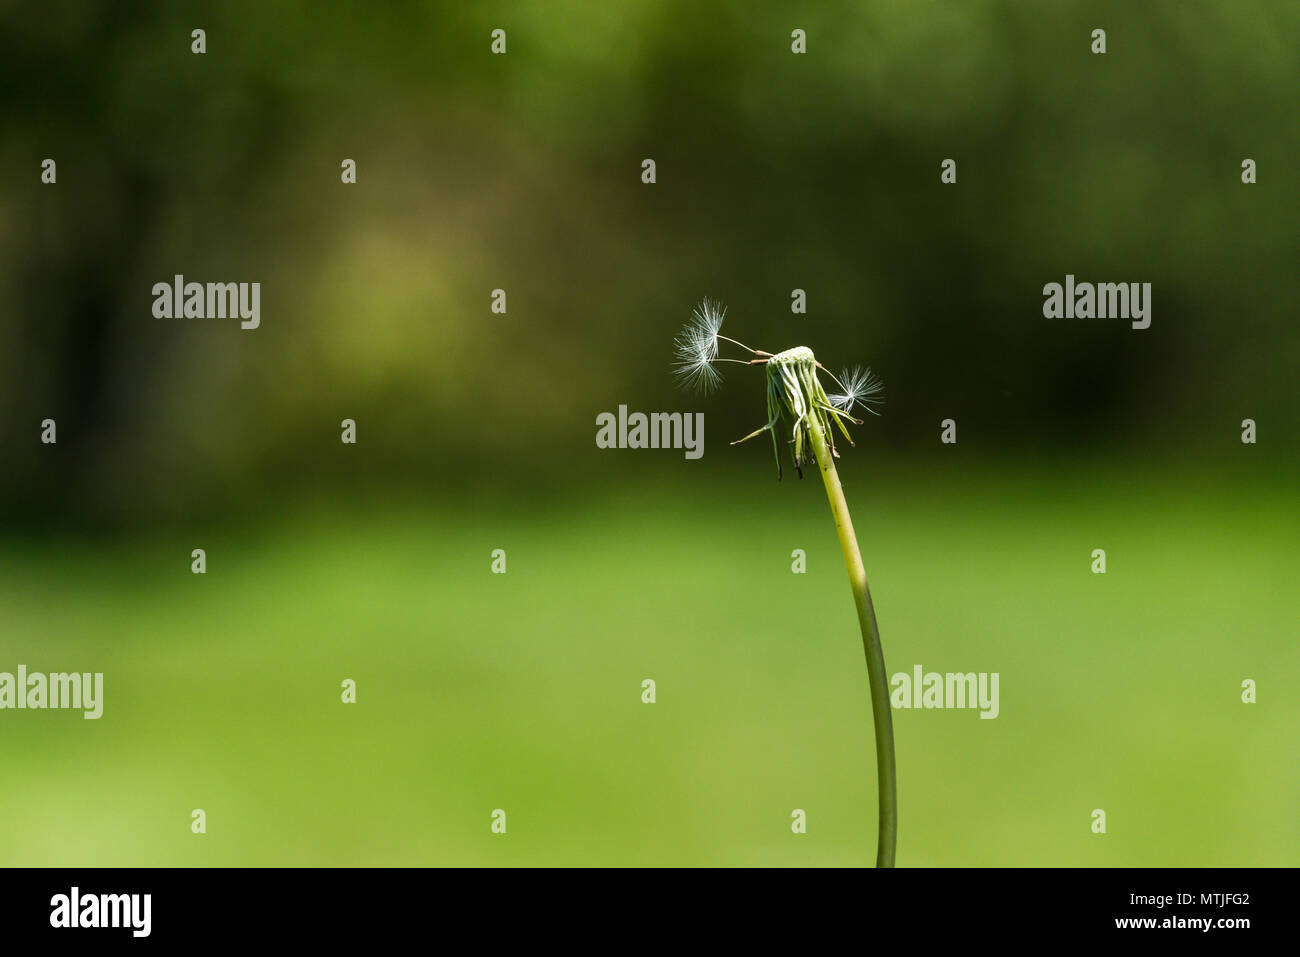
point(794, 392)
point(795, 356)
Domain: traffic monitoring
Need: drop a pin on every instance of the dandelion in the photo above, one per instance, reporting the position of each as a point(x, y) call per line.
point(795, 394)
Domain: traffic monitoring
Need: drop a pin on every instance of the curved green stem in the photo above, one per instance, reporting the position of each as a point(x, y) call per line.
point(884, 721)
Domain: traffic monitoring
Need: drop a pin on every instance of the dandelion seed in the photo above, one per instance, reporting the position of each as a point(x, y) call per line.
point(861, 387)
point(696, 348)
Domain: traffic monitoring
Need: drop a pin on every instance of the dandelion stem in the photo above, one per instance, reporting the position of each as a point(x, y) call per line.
point(879, 683)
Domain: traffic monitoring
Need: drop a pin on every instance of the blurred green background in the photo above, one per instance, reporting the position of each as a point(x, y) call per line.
point(476, 431)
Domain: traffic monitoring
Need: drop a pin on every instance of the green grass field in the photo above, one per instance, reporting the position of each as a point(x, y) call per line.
point(523, 691)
